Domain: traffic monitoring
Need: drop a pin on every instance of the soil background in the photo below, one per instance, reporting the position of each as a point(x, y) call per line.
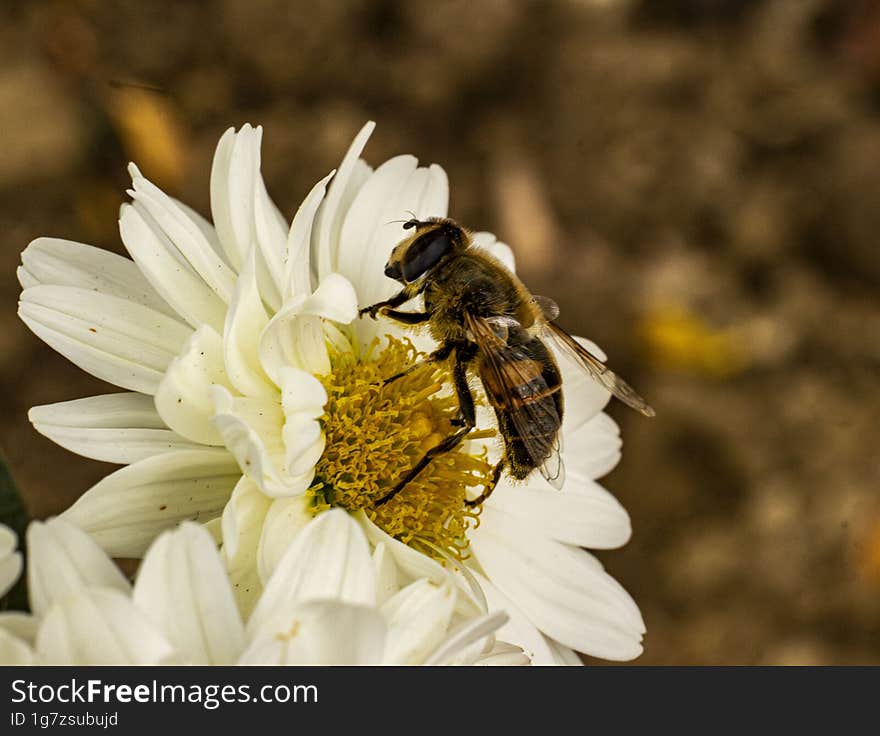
point(696, 182)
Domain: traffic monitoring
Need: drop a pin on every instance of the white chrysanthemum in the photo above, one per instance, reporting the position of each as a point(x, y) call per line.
point(254, 399)
point(329, 601)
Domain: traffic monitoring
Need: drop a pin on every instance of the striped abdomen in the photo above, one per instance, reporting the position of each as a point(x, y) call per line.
point(523, 385)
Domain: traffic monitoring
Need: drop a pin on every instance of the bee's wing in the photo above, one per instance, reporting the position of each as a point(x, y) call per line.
point(596, 368)
point(506, 366)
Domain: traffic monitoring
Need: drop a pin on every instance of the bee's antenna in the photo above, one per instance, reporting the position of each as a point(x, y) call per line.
point(412, 222)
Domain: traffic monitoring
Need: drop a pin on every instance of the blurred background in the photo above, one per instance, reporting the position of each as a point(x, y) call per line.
point(696, 182)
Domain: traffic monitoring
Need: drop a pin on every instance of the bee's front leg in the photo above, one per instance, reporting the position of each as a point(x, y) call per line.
point(388, 304)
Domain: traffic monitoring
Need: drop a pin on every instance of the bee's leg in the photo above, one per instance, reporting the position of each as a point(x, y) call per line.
point(407, 318)
point(487, 491)
point(438, 355)
point(468, 416)
point(403, 296)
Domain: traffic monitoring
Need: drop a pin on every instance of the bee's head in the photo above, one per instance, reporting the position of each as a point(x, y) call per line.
point(422, 251)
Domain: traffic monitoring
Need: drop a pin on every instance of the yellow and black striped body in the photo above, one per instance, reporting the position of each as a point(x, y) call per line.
point(528, 402)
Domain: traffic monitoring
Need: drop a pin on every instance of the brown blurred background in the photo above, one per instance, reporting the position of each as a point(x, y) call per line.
point(697, 182)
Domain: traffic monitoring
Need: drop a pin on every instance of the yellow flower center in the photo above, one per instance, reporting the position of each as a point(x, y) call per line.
point(376, 432)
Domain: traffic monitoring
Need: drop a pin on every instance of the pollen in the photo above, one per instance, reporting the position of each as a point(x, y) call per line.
point(376, 431)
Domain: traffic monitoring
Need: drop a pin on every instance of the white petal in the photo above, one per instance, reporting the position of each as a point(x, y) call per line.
point(14, 651)
point(10, 560)
point(167, 270)
point(302, 394)
point(10, 569)
point(131, 507)
point(370, 233)
point(191, 247)
point(386, 573)
point(236, 164)
point(242, 526)
point(241, 337)
point(583, 513)
point(184, 399)
point(59, 262)
point(593, 449)
point(63, 560)
point(252, 430)
point(116, 340)
point(298, 279)
point(322, 633)
point(270, 231)
point(295, 337)
point(412, 564)
point(418, 617)
point(183, 589)
point(115, 428)
point(19, 624)
point(328, 221)
point(99, 626)
point(504, 655)
point(368, 214)
point(285, 519)
point(564, 656)
point(518, 630)
point(470, 641)
point(562, 589)
point(498, 250)
point(329, 559)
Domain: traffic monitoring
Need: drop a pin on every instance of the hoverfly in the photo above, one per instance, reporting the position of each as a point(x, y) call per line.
point(484, 319)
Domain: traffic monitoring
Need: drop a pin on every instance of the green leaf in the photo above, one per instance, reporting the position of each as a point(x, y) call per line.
point(14, 515)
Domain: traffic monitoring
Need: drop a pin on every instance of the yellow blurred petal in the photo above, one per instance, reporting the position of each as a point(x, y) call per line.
point(675, 338)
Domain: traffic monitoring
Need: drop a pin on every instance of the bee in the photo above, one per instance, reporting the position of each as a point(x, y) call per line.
point(485, 320)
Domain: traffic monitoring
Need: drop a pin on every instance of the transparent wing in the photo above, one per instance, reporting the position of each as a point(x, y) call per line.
point(596, 368)
point(512, 377)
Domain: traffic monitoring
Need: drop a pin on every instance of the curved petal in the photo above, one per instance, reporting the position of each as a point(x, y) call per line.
point(270, 232)
point(252, 430)
point(184, 398)
point(518, 629)
point(169, 273)
point(295, 336)
point(471, 642)
point(58, 262)
point(372, 228)
point(417, 617)
point(495, 248)
point(14, 651)
point(242, 525)
point(191, 247)
point(584, 397)
point(183, 589)
point(19, 624)
point(329, 559)
point(563, 590)
point(119, 341)
point(10, 560)
point(328, 222)
point(322, 633)
point(63, 560)
point(593, 449)
point(129, 508)
point(582, 514)
point(99, 626)
point(245, 321)
point(298, 278)
point(285, 519)
point(115, 428)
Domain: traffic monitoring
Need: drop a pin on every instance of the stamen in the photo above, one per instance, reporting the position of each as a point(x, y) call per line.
point(375, 433)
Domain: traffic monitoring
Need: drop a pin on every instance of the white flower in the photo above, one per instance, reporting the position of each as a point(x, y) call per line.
point(253, 400)
point(328, 602)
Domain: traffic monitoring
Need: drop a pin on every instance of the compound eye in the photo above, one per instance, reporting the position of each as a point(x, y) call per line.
point(425, 253)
